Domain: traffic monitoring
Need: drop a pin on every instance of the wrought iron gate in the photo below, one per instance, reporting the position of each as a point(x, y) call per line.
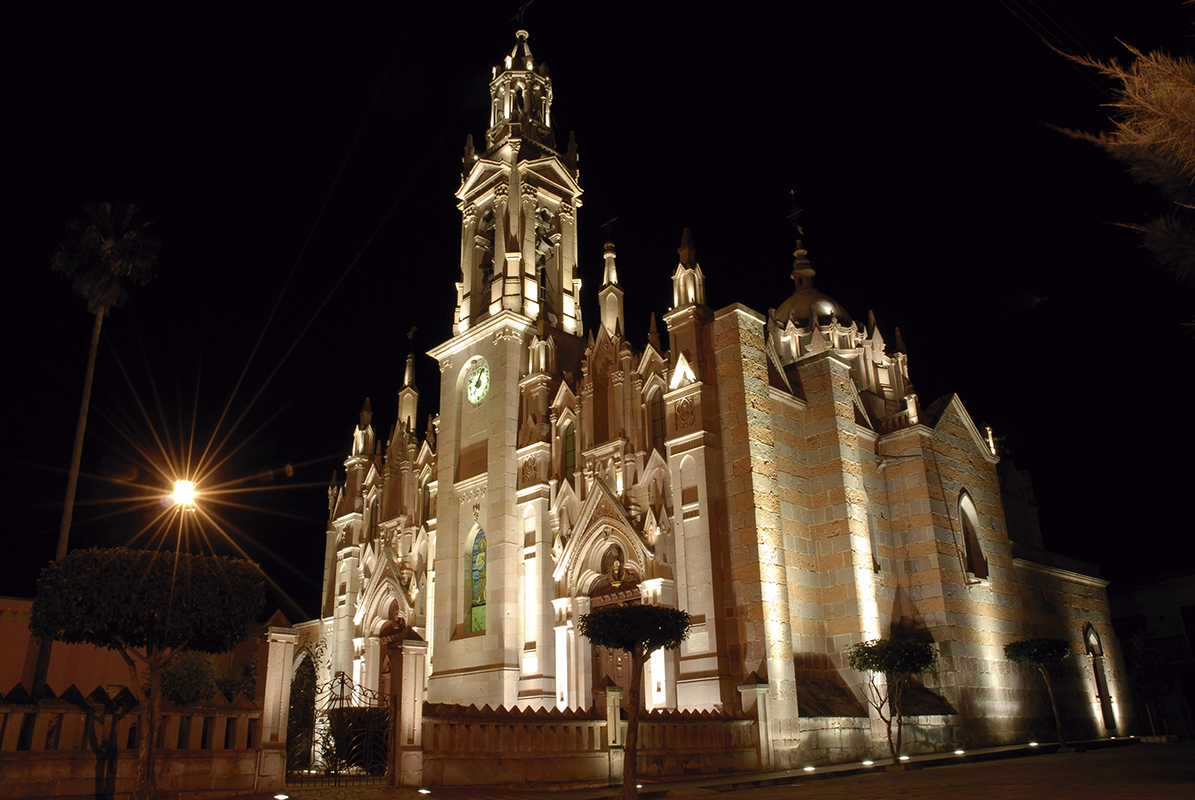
point(349, 743)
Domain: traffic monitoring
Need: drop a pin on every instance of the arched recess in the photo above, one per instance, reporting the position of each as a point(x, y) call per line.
point(974, 561)
point(568, 454)
point(656, 420)
point(1095, 649)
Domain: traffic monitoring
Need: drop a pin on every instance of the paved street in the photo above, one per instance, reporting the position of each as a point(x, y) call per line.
point(1132, 772)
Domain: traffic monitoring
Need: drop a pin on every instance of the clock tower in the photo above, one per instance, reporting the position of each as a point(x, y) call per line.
point(517, 311)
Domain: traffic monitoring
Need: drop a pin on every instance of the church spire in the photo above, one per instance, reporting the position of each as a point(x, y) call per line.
point(521, 101)
point(688, 282)
point(408, 396)
point(610, 298)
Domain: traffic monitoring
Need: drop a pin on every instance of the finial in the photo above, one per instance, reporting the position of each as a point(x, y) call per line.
point(608, 227)
point(688, 253)
point(518, 17)
point(610, 275)
point(795, 213)
point(803, 271)
point(366, 413)
point(653, 335)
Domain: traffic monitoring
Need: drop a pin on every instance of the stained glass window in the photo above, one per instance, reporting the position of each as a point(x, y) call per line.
point(476, 620)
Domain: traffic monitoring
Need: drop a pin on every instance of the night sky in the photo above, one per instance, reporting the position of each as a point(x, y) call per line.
point(300, 168)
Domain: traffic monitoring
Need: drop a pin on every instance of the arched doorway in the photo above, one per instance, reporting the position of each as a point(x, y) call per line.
point(618, 584)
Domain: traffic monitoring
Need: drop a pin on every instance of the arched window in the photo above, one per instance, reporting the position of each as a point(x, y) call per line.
point(1095, 649)
point(656, 404)
point(570, 454)
point(973, 558)
point(476, 581)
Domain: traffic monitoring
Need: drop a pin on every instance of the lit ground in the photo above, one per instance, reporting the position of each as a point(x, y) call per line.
point(1133, 772)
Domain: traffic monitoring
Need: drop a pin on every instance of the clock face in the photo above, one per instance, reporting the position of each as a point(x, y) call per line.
point(478, 384)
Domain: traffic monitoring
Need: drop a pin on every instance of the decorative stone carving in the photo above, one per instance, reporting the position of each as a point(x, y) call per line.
point(507, 335)
point(686, 415)
point(530, 470)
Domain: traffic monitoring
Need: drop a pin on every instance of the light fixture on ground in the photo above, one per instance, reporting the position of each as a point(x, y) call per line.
point(868, 763)
point(904, 758)
point(958, 752)
point(809, 769)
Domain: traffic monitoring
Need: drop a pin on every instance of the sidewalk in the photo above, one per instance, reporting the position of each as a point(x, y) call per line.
point(1107, 770)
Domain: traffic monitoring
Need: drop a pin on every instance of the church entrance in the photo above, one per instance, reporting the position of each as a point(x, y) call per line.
point(617, 586)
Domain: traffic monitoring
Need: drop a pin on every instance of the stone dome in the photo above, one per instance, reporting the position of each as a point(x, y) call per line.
point(807, 301)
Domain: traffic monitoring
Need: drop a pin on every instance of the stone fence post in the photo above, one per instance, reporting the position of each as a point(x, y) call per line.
point(754, 696)
point(408, 665)
point(278, 647)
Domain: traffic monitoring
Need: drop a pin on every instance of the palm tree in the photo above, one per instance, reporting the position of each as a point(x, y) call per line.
point(101, 254)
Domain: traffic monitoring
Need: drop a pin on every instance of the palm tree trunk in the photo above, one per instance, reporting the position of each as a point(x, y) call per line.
point(72, 479)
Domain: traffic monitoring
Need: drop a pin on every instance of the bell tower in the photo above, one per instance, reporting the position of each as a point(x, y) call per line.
point(518, 204)
point(517, 301)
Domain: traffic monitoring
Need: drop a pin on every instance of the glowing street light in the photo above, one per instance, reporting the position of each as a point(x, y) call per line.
point(184, 493)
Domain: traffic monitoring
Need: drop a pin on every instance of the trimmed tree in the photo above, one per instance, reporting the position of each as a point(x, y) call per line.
point(638, 630)
point(147, 606)
point(1042, 653)
point(898, 660)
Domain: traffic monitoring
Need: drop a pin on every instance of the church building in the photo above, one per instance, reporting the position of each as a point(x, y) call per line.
point(772, 472)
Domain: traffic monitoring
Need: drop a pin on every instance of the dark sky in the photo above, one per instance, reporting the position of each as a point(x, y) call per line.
point(300, 168)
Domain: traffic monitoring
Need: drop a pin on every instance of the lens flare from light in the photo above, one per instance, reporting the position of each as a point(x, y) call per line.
point(184, 493)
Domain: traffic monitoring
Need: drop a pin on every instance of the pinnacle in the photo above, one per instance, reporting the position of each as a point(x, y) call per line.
point(688, 253)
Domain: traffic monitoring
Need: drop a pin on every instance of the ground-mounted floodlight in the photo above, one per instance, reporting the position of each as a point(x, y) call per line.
point(868, 763)
point(809, 769)
point(958, 752)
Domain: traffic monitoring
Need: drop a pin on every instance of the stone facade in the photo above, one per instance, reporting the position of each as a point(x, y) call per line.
point(774, 474)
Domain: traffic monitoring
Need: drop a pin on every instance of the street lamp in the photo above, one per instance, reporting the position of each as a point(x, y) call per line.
point(184, 493)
